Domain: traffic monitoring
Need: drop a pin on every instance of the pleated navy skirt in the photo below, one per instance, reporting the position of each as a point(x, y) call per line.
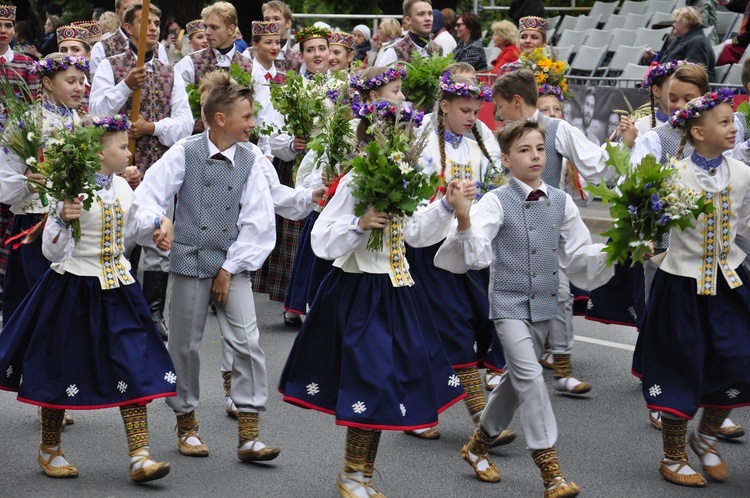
point(26, 265)
point(622, 300)
point(369, 354)
point(461, 309)
point(694, 351)
point(308, 272)
point(72, 345)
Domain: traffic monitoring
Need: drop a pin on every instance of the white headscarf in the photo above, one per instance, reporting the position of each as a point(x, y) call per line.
point(364, 30)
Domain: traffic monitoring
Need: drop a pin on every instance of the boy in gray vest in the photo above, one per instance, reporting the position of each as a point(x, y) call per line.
point(524, 231)
point(223, 229)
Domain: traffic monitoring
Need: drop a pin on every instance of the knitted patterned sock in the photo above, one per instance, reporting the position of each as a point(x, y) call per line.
point(473, 388)
point(187, 423)
point(480, 441)
point(51, 423)
point(357, 449)
point(673, 437)
point(135, 419)
point(227, 383)
point(247, 427)
point(372, 451)
point(548, 464)
point(561, 366)
point(711, 421)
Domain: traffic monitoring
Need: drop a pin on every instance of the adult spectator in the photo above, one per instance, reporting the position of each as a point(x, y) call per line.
point(389, 32)
point(110, 23)
point(525, 8)
point(470, 48)
point(172, 41)
point(97, 13)
point(48, 43)
point(362, 36)
point(442, 36)
point(733, 48)
point(690, 41)
point(451, 17)
point(418, 16)
point(505, 37)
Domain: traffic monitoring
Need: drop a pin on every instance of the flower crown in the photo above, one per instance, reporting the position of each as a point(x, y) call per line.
point(312, 32)
point(666, 69)
point(118, 122)
point(474, 92)
point(382, 109)
point(547, 89)
point(394, 73)
point(693, 109)
point(46, 67)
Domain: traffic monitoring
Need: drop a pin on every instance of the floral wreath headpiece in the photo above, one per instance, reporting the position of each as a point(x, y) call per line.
point(392, 74)
point(474, 92)
point(547, 89)
point(46, 67)
point(666, 69)
point(118, 122)
point(312, 32)
point(693, 109)
point(382, 109)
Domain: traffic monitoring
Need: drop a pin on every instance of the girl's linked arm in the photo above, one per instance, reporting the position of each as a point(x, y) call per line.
point(336, 232)
point(57, 238)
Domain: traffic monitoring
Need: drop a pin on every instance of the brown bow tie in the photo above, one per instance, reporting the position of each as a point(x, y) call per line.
point(535, 195)
point(220, 157)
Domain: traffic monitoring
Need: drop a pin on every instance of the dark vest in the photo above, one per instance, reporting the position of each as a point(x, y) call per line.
point(404, 48)
point(115, 44)
point(204, 61)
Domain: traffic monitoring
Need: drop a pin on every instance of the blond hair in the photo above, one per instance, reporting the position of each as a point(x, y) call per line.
point(506, 31)
point(223, 10)
point(689, 16)
point(391, 28)
point(278, 6)
point(110, 22)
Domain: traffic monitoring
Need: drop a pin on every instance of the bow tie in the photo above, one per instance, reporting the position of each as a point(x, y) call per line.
point(2, 60)
point(220, 157)
point(535, 195)
point(269, 76)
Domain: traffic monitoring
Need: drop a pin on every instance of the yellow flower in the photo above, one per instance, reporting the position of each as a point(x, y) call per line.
point(564, 86)
point(559, 66)
point(545, 64)
point(541, 78)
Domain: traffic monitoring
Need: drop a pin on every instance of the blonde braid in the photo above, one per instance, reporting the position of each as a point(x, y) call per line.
point(441, 138)
point(683, 142)
point(480, 141)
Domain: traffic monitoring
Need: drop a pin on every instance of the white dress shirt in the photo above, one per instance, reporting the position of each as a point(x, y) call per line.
point(97, 52)
point(265, 115)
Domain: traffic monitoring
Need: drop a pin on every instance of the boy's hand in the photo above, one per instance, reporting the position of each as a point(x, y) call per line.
point(628, 131)
point(133, 176)
point(220, 288)
point(141, 127)
point(71, 210)
point(199, 126)
point(164, 235)
point(456, 196)
point(36, 177)
point(373, 219)
point(136, 78)
point(470, 189)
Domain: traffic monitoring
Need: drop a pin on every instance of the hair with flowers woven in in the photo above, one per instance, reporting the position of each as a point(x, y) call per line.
point(381, 110)
point(695, 107)
point(461, 89)
point(666, 69)
point(118, 122)
point(312, 32)
point(392, 74)
point(51, 65)
point(547, 89)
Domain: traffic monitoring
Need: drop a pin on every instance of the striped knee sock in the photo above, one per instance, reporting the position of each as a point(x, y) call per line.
point(357, 449)
point(473, 387)
point(673, 437)
point(480, 441)
point(135, 419)
point(51, 423)
point(372, 451)
point(562, 367)
point(548, 464)
point(247, 427)
point(227, 376)
point(711, 420)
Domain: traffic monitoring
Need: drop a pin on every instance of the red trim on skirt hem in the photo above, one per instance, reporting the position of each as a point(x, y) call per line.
point(135, 401)
point(610, 322)
point(637, 374)
point(292, 310)
point(466, 365)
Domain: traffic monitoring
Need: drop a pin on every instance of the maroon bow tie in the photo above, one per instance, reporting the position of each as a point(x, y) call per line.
point(220, 157)
point(269, 76)
point(535, 195)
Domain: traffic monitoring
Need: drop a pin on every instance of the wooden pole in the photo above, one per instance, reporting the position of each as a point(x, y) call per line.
point(140, 61)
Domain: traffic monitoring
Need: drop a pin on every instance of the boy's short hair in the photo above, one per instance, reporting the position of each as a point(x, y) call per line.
point(521, 82)
point(408, 4)
point(279, 6)
point(509, 133)
point(132, 9)
point(223, 96)
point(745, 74)
point(223, 10)
point(460, 67)
point(211, 80)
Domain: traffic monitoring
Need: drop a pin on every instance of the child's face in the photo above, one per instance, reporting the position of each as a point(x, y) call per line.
point(718, 130)
point(389, 91)
point(115, 155)
point(661, 94)
point(315, 55)
point(460, 114)
point(267, 49)
point(505, 110)
point(239, 123)
point(680, 93)
point(339, 57)
point(65, 87)
point(526, 158)
point(550, 106)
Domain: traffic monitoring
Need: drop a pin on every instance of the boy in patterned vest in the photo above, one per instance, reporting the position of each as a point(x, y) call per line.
point(525, 230)
point(219, 22)
point(418, 15)
point(514, 95)
point(119, 41)
point(164, 119)
point(224, 228)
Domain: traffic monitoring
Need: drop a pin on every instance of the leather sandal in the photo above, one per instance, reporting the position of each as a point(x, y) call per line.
point(347, 492)
point(262, 455)
point(187, 449)
point(505, 437)
point(655, 419)
point(293, 320)
point(68, 470)
point(430, 433)
point(695, 480)
point(560, 488)
point(547, 360)
point(152, 472)
point(230, 407)
point(703, 447)
point(490, 474)
point(730, 430)
point(491, 379)
point(571, 385)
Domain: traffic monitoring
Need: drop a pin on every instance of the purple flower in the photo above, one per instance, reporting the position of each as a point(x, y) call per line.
point(632, 209)
point(664, 219)
point(655, 203)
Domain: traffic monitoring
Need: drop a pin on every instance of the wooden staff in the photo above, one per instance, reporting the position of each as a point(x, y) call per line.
point(140, 61)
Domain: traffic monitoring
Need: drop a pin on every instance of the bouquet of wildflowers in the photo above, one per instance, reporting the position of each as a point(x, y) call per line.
point(645, 206)
point(492, 179)
point(422, 77)
point(335, 140)
point(550, 73)
point(387, 174)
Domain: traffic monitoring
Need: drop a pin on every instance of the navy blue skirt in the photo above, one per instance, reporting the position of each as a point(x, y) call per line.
point(79, 347)
point(369, 353)
point(622, 300)
point(694, 351)
point(26, 265)
point(308, 272)
point(461, 309)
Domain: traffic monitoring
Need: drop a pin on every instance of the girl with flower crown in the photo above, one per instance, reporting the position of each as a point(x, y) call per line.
point(458, 302)
point(369, 351)
point(83, 337)
point(693, 350)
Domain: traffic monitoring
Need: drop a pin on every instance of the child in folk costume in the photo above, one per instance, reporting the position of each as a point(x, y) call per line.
point(74, 40)
point(83, 338)
point(223, 229)
point(692, 350)
point(526, 231)
point(458, 302)
point(331, 368)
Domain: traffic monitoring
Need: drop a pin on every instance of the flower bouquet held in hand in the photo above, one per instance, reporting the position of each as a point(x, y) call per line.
point(645, 206)
point(422, 77)
point(549, 72)
point(387, 174)
point(336, 137)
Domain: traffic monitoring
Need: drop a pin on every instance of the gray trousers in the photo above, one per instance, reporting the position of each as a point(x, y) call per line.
point(188, 309)
point(522, 385)
point(561, 327)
